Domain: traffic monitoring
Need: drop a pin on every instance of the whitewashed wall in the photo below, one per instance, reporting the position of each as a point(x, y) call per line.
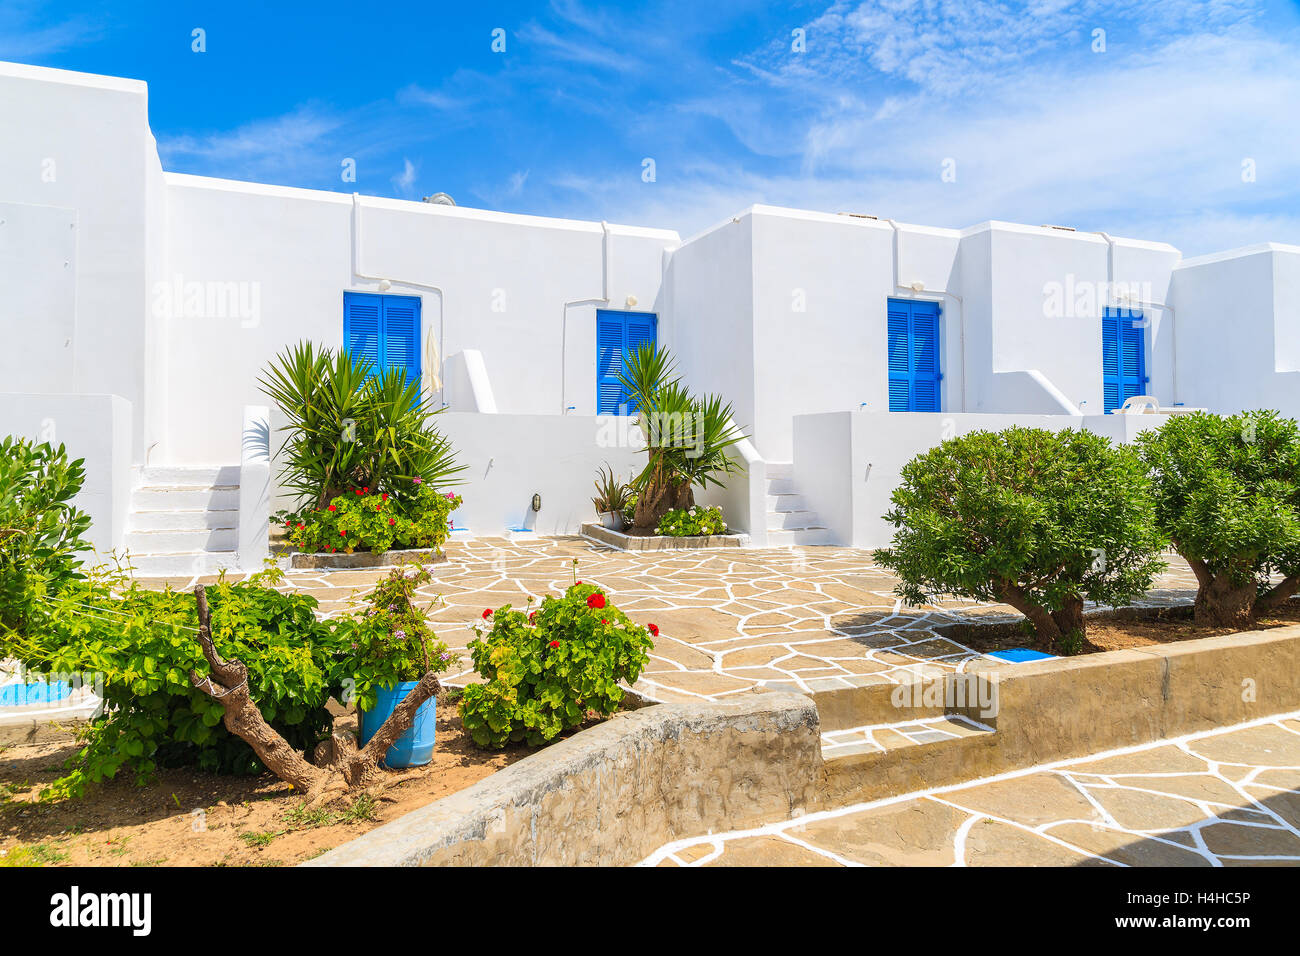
point(847, 464)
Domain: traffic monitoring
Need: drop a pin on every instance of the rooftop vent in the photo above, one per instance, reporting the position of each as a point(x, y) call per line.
point(441, 199)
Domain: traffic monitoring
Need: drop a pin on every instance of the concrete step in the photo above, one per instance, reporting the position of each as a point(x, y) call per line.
point(785, 503)
point(883, 760)
point(790, 538)
point(181, 542)
point(185, 498)
point(792, 520)
point(780, 469)
point(182, 520)
point(780, 486)
point(182, 565)
point(202, 476)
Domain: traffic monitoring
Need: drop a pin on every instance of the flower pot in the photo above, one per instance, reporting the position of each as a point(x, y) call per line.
point(611, 519)
point(415, 747)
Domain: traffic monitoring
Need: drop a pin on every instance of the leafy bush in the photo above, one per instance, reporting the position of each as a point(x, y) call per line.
point(548, 668)
point(1227, 493)
point(611, 494)
point(1037, 519)
point(366, 521)
point(390, 640)
point(350, 426)
point(688, 522)
point(688, 438)
point(40, 531)
point(142, 646)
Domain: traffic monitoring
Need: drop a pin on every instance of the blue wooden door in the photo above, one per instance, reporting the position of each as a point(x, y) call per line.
point(913, 348)
point(1123, 357)
point(618, 333)
point(383, 330)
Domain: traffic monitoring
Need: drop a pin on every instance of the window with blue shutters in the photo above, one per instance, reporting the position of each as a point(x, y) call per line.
point(384, 330)
point(618, 333)
point(913, 348)
point(1123, 357)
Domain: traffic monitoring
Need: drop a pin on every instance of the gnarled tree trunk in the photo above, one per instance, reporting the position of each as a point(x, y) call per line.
point(1220, 602)
point(337, 766)
point(660, 495)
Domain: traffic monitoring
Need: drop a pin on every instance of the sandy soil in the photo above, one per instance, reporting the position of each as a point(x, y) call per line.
point(191, 818)
point(1113, 634)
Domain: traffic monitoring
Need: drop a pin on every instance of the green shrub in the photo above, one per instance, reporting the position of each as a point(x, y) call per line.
point(389, 641)
point(1227, 493)
point(40, 531)
point(689, 522)
point(349, 426)
point(547, 669)
point(1037, 519)
point(365, 521)
point(141, 644)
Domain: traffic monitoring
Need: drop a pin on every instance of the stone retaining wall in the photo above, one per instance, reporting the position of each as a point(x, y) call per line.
point(611, 794)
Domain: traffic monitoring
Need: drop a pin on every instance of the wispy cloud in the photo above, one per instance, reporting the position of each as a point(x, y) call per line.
point(404, 182)
point(288, 148)
point(28, 32)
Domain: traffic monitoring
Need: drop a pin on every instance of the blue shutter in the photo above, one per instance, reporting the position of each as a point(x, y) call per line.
point(361, 327)
point(609, 362)
point(618, 333)
point(912, 344)
point(402, 334)
point(1123, 357)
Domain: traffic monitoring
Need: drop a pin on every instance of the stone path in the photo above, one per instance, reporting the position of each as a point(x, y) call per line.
point(730, 620)
point(1227, 797)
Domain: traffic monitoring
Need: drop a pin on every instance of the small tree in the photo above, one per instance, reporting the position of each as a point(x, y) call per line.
point(688, 439)
point(1037, 519)
point(1227, 493)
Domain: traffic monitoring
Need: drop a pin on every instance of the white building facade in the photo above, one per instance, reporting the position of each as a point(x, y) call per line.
point(139, 308)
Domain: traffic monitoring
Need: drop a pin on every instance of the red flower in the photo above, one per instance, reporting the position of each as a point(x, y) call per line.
point(366, 490)
point(487, 613)
point(332, 508)
point(384, 496)
point(343, 534)
point(301, 526)
point(596, 601)
point(288, 524)
point(603, 621)
point(392, 521)
point(379, 507)
point(654, 629)
point(532, 617)
point(553, 644)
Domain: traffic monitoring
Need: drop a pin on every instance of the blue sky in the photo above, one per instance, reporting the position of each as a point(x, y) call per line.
point(1145, 138)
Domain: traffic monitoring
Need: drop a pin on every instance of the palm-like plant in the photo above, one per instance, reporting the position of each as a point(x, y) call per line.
point(349, 426)
point(687, 438)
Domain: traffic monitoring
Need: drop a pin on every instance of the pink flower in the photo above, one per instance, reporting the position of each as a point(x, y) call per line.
point(418, 481)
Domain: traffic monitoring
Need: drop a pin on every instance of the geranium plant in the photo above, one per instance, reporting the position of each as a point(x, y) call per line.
point(548, 668)
point(366, 520)
point(388, 640)
point(691, 522)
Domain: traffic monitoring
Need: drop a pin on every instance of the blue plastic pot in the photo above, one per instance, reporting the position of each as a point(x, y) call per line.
point(415, 747)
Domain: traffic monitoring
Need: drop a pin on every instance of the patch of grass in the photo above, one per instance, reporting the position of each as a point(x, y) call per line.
point(364, 808)
point(38, 854)
point(260, 840)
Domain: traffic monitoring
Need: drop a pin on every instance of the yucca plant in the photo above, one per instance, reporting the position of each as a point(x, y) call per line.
point(687, 438)
point(349, 426)
point(611, 494)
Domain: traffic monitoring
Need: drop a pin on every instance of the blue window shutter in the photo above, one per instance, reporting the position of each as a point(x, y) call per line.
point(361, 327)
point(402, 334)
point(1123, 357)
point(913, 348)
point(609, 362)
point(618, 333)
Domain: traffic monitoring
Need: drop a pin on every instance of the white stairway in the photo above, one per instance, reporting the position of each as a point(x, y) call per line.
point(789, 522)
point(184, 521)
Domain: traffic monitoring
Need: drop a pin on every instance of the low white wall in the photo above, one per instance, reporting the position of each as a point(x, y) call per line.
point(512, 457)
point(94, 427)
point(847, 464)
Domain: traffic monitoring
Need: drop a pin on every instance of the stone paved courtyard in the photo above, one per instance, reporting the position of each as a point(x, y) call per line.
point(730, 620)
point(1223, 798)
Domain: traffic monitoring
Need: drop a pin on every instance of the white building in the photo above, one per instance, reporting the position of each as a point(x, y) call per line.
point(139, 307)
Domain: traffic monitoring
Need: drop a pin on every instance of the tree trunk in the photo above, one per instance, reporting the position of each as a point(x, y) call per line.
point(338, 765)
point(660, 495)
point(1070, 618)
point(1220, 603)
point(1045, 625)
point(1274, 598)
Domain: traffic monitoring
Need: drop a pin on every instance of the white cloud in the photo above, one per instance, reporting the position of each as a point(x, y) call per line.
point(280, 149)
point(404, 181)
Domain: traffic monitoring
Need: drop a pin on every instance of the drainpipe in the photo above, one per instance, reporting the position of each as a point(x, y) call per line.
point(1129, 301)
point(564, 315)
point(922, 290)
point(442, 299)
